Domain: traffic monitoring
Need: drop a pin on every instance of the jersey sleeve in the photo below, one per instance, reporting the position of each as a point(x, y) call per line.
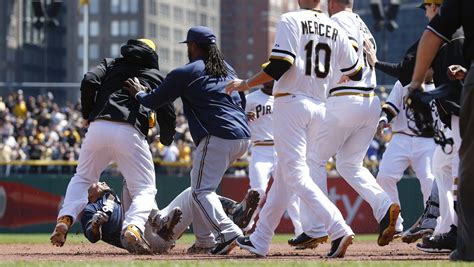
point(394, 100)
point(350, 29)
point(347, 59)
point(86, 222)
point(447, 21)
point(286, 41)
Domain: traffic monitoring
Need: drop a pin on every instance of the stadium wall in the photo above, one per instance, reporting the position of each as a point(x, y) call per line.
point(29, 203)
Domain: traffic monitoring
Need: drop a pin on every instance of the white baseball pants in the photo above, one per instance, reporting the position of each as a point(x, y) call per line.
point(260, 169)
point(445, 168)
point(403, 151)
point(107, 142)
point(295, 120)
point(347, 131)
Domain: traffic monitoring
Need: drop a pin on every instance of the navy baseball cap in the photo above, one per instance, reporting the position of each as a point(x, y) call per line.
point(200, 35)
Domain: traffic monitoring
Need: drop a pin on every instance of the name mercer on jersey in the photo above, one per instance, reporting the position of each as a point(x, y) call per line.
point(323, 30)
point(261, 110)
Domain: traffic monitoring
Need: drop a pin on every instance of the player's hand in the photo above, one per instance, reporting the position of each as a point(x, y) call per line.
point(99, 218)
point(236, 85)
point(133, 86)
point(382, 125)
point(414, 86)
point(456, 72)
point(251, 116)
point(370, 52)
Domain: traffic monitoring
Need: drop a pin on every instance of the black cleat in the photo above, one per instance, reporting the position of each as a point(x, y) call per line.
point(387, 225)
point(303, 241)
point(225, 247)
point(442, 243)
point(339, 246)
point(243, 216)
point(168, 223)
point(245, 243)
point(413, 234)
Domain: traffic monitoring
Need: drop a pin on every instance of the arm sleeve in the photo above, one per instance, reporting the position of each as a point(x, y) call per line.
point(171, 88)
point(284, 49)
point(166, 118)
point(392, 69)
point(348, 59)
point(394, 102)
point(403, 71)
point(86, 222)
point(349, 28)
point(90, 84)
point(447, 21)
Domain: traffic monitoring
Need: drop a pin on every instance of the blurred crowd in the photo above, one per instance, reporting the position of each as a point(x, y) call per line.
point(37, 128)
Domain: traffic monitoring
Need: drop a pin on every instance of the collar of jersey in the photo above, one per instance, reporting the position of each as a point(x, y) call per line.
point(316, 10)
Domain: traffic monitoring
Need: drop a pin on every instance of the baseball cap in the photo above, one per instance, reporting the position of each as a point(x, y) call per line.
point(200, 35)
point(427, 2)
point(149, 43)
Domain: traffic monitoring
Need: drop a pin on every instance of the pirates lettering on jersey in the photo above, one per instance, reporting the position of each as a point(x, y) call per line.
point(261, 110)
point(323, 30)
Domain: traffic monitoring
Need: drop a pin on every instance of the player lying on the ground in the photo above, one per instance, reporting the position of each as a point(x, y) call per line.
point(103, 216)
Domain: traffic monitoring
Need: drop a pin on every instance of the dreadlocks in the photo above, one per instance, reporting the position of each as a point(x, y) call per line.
point(214, 61)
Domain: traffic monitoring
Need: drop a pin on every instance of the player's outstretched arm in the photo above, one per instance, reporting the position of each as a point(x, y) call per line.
point(244, 85)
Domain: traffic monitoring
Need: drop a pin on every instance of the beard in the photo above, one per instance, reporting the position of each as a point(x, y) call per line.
point(189, 55)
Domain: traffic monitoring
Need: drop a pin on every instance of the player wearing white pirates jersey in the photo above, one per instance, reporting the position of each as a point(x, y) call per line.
point(404, 149)
point(259, 108)
point(352, 112)
point(309, 50)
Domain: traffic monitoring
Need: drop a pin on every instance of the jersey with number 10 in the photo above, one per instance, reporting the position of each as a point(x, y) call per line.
point(318, 50)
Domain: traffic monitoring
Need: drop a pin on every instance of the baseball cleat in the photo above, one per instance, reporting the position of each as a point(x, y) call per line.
point(303, 241)
point(134, 242)
point(225, 247)
point(412, 235)
point(198, 250)
point(58, 237)
point(387, 225)
point(245, 243)
point(339, 246)
point(442, 243)
point(243, 216)
point(168, 223)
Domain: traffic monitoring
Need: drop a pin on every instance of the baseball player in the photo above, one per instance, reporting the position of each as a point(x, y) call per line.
point(308, 53)
point(217, 123)
point(103, 216)
point(102, 219)
point(352, 111)
point(259, 111)
point(403, 150)
point(117, 133)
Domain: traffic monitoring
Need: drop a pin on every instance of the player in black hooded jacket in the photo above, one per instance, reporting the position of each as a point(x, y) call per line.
point(117, 129)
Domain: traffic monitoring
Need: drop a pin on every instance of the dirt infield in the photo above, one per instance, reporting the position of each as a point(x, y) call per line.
point(103, 252)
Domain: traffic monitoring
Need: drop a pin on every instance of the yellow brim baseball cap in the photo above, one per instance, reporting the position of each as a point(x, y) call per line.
point(149, 43)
